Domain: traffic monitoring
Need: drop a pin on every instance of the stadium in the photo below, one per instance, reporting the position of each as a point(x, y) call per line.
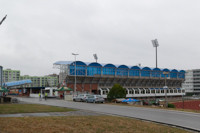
point(139, 82)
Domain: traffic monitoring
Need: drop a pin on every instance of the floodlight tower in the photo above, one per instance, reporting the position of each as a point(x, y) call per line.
point(3, 19)
point(95, 57)
point(75, 72)
point(155, 44)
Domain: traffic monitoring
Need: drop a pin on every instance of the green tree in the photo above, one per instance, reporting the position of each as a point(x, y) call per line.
point(117, 91)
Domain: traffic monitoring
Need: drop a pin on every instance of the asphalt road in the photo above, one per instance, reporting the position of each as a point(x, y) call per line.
point(176, 118)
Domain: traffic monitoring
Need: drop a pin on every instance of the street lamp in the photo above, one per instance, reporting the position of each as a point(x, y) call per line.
point(165, 88)
point(75, 73)
point(182, 101)
point(155, 44)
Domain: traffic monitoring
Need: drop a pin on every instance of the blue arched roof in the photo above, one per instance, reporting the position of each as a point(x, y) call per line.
point(174, 70)
point(182, 71)
point(110, 65)
point(166, 70)
point(123, 66)
point(146, 68)
point(79, 63)
point(156, 69)
point(135, 67)
point(95, 64)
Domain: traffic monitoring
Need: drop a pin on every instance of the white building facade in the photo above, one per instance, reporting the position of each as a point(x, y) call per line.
point(1, 75)
point(192, 81)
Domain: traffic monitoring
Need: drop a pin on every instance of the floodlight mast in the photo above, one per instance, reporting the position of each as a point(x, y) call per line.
point(155, 44)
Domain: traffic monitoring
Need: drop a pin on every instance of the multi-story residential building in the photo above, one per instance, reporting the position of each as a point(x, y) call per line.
point(192, 81)
point(11, 75)
point(41, 81)
point(37, 81)
point(1, 75)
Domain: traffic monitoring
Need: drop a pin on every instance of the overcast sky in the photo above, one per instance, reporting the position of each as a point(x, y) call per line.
point(37, 33)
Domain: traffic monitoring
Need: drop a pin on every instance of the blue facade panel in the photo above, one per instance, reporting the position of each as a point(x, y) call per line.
point(155, 73)
point(173, 74)
point(122, 72)
point(91, 71)
point(80, 70)
point(134, 72)
point(108, 71)
point(145, 73)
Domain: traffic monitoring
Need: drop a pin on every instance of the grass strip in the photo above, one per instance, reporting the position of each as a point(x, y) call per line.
point(30, 108)
point(155, 107)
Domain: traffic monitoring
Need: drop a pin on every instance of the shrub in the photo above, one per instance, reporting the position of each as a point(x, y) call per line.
point(117, 91)
point(171, 105)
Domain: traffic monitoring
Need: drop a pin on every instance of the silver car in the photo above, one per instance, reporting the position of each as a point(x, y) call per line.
point(81, 98)
point(95, 99)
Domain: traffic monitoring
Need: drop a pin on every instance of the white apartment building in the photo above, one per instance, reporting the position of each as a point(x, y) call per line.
point(1, 75)
point(192, 81)
point(9, 75)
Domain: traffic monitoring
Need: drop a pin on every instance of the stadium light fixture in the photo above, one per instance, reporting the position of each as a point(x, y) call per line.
point(75, 72)
point(95, 57)
point(155, 44)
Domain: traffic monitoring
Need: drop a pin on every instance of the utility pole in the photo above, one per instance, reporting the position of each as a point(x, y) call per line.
point(75, 72)
point(165, 88)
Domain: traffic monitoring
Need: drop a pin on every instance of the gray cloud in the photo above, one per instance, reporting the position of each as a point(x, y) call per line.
point(38, 33)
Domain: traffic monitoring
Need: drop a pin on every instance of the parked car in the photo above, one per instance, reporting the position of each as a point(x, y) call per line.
point(86, 97)
point(95, 99)
point(81, 97)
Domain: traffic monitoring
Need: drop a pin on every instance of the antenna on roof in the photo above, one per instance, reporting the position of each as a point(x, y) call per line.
point(95, 57)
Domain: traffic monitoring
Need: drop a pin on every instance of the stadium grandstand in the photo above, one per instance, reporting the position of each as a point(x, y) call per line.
point(138, 81)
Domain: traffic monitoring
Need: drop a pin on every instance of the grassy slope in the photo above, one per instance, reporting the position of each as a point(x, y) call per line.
point(82, 124)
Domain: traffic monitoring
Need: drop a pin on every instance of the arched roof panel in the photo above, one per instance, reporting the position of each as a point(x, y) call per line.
point(95, 64)
point(135, 67)
point(166, 70)
point(123, 66)
point(79, 63)
point(182, 71)
point(174, 70)
point(156, 69)
point(146, 68)
point(110, 65)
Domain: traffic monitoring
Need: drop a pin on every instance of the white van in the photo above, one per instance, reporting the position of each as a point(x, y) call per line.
point(51, 91)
